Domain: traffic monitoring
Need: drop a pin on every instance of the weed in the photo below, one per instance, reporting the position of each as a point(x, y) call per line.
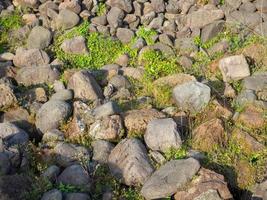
point(175, 154)
point(66, 188)
point(147, 34)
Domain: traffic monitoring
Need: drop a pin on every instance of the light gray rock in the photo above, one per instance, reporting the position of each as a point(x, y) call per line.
point(247, 19)
point(168, 178)
point(53, 135)
point(101, 150)
point(192, 96)
point(37, 75)
point(4, 164)
point(125, 5)
point(77, 196)
point(129, 162)
point(212, 30)
point(261, 29)
point(119, 81)
point(234, 68)
point(107, 109)
point(162, 134)
point(209, 195)
point(31, 57)
point(7, 96)
point(66, 19)
point(75, 45)
point(51, 172)
point(39, 38)
point(63, 95)
point(85, 86)
point(245, 97)
point(256, 82)
point(115, 17)
point(125, 35)
point(261, 5)
point(51, 114)
point(52, 195)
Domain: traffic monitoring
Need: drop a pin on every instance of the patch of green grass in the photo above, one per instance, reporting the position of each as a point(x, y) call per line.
point(66, 188)
point(8, 23)
point(146, 34)
point(176, 154)
point(101, 9)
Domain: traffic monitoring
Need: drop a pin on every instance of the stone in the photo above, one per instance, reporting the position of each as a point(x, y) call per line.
point(75, 45)
point(125, 35)
point(119, 81)
point(158, 6)
point(203, 17)
point(234, 68)
point(115, 17)
point(7, 96)
point(72, 5)
point(37, 75)
point(58, 85)
point(192, 96)
point(208, 185)
point(51, 115)
point(212, 133)
point(256, 82)
point(133, 72)
point(100, 20)
point(210, 31)
point(108, 128)
point(261, 6)
point(136, 121)
point(68, 154)
point(248, 7)
point(53, 135)
point(51, 173)
point(85, 86)
point(5, 165)
point(169, 178)
point(26, 3)
point(7, 56)
point(39, 38)
point(75, 175)
point(31, 57)
point(63, 95)
point(246, 97)
point(107, 109)
point(101, 150)
point(52, 195)
point(174, 80)
point(66, 19)
point(123, 60)
point(247, 19)
point(125, 5)
point(259, 190)
point(162, 135)
point(129, 162)
point(77, 196)
point(12, 135)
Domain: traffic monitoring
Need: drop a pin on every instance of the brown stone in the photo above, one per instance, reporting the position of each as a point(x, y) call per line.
point(7, 97)
point(176, 79)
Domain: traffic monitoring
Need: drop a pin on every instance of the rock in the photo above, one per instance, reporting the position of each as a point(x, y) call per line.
point(51, 115)
point(123, 60)
point(39, 38)
point(248, 7)
point(51, 173)
point(125, 5)
point(259, 190)
point(136, 121)
point(256, 82)
point(133, 72)
point(125, 35)
point(77, 196)
point(31, 57)
point(261, 6)
point(129, 162)
point(7, 96)
point(101, 150)
point(99, 20)
point(115, 17)
point(109, 128)
point(162, 134)
point(119, 81)
point(212, 30)
point(66, 19)
point(72, 5)
point(185, 46)
point(203, 17)
point(245, 97)
point(212, 133)
point(37, 75)
point(25, 3)
point(52, 195)
point(250, 20)
point(85, 86)
point(75, 45)
point(7, 56)
point(53, 136)
point(12, 135)
point(4, 164)
point(192, 96)
point(58, 85)
point(175, 79)
point(63, 95)
point(168, 178)
point(75, 175)
point(69, 154)
point(234, 68)
point(107, 109)
point(158, 6)
point(208, 185)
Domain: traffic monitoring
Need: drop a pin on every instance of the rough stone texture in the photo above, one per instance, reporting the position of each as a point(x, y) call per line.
point(51, 115)
point(31, 57)
point(234, 68)
point(4, 164)
point(175, 79)
point(162, 134)
point(77, 196)
point(211, 30)
point(119, 81)
point(101, 150)
point(39, 38)
point(129, 162)
point(7, 97)
point(192, 96)
point(66, 19)
point(115, 16)
point(109, 128)
point(85, 86)
point(37, 75)
point(73, 5)
point(75, 45)
point(51, 172)
point(256, 82)
point(63, 95)
point(125, 5)
point(52, 195)
point(250, 20)
point(210, 132)
point(106, 109)
point(136, 121)
point(125, 35)
point(170, 177)
point(260, 191)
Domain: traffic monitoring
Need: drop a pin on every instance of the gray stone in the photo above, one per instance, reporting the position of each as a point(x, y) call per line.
point(185, 45)
point(209, 195)
point(233, 4)
point(162, 134)
point(158, 6)
point(245, 97)
point(7, 56)
point(157, 22)
point(115, 17)
point(169, 177)
point(129, 162)
point(100, 20)
point(12, 135)
point(125, 5)
point(66, 19)
point(101, 150)
point(107, 109)
point(119, 81)
point(37, 75)
point(51, 115)
point(77, 196)
point(39, 38)
point(64, 95)
point(211, 30)
point(7, 96)
point(68, 154)
point(125, 35)
point(53, 135)
point(234, 68)
point(51, 173)
point(31, 57)
point(261, 29)
point(73, 5)
point(4, 164)
point(85, 86)
point(192, 96)
point(261, 5)
point(52, 195)
point(75, 45)
point(75, 175)
point(256, 82)
point(248, 7)
point(246, 19)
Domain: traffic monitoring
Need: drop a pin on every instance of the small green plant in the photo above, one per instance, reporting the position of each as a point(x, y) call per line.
point(146, 34)
point(66, 188)
point(101, 9)
point(175, 154)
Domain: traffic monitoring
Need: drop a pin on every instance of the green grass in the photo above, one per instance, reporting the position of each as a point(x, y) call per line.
point(146, 34)
point(176, 154)
point(101, 9)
